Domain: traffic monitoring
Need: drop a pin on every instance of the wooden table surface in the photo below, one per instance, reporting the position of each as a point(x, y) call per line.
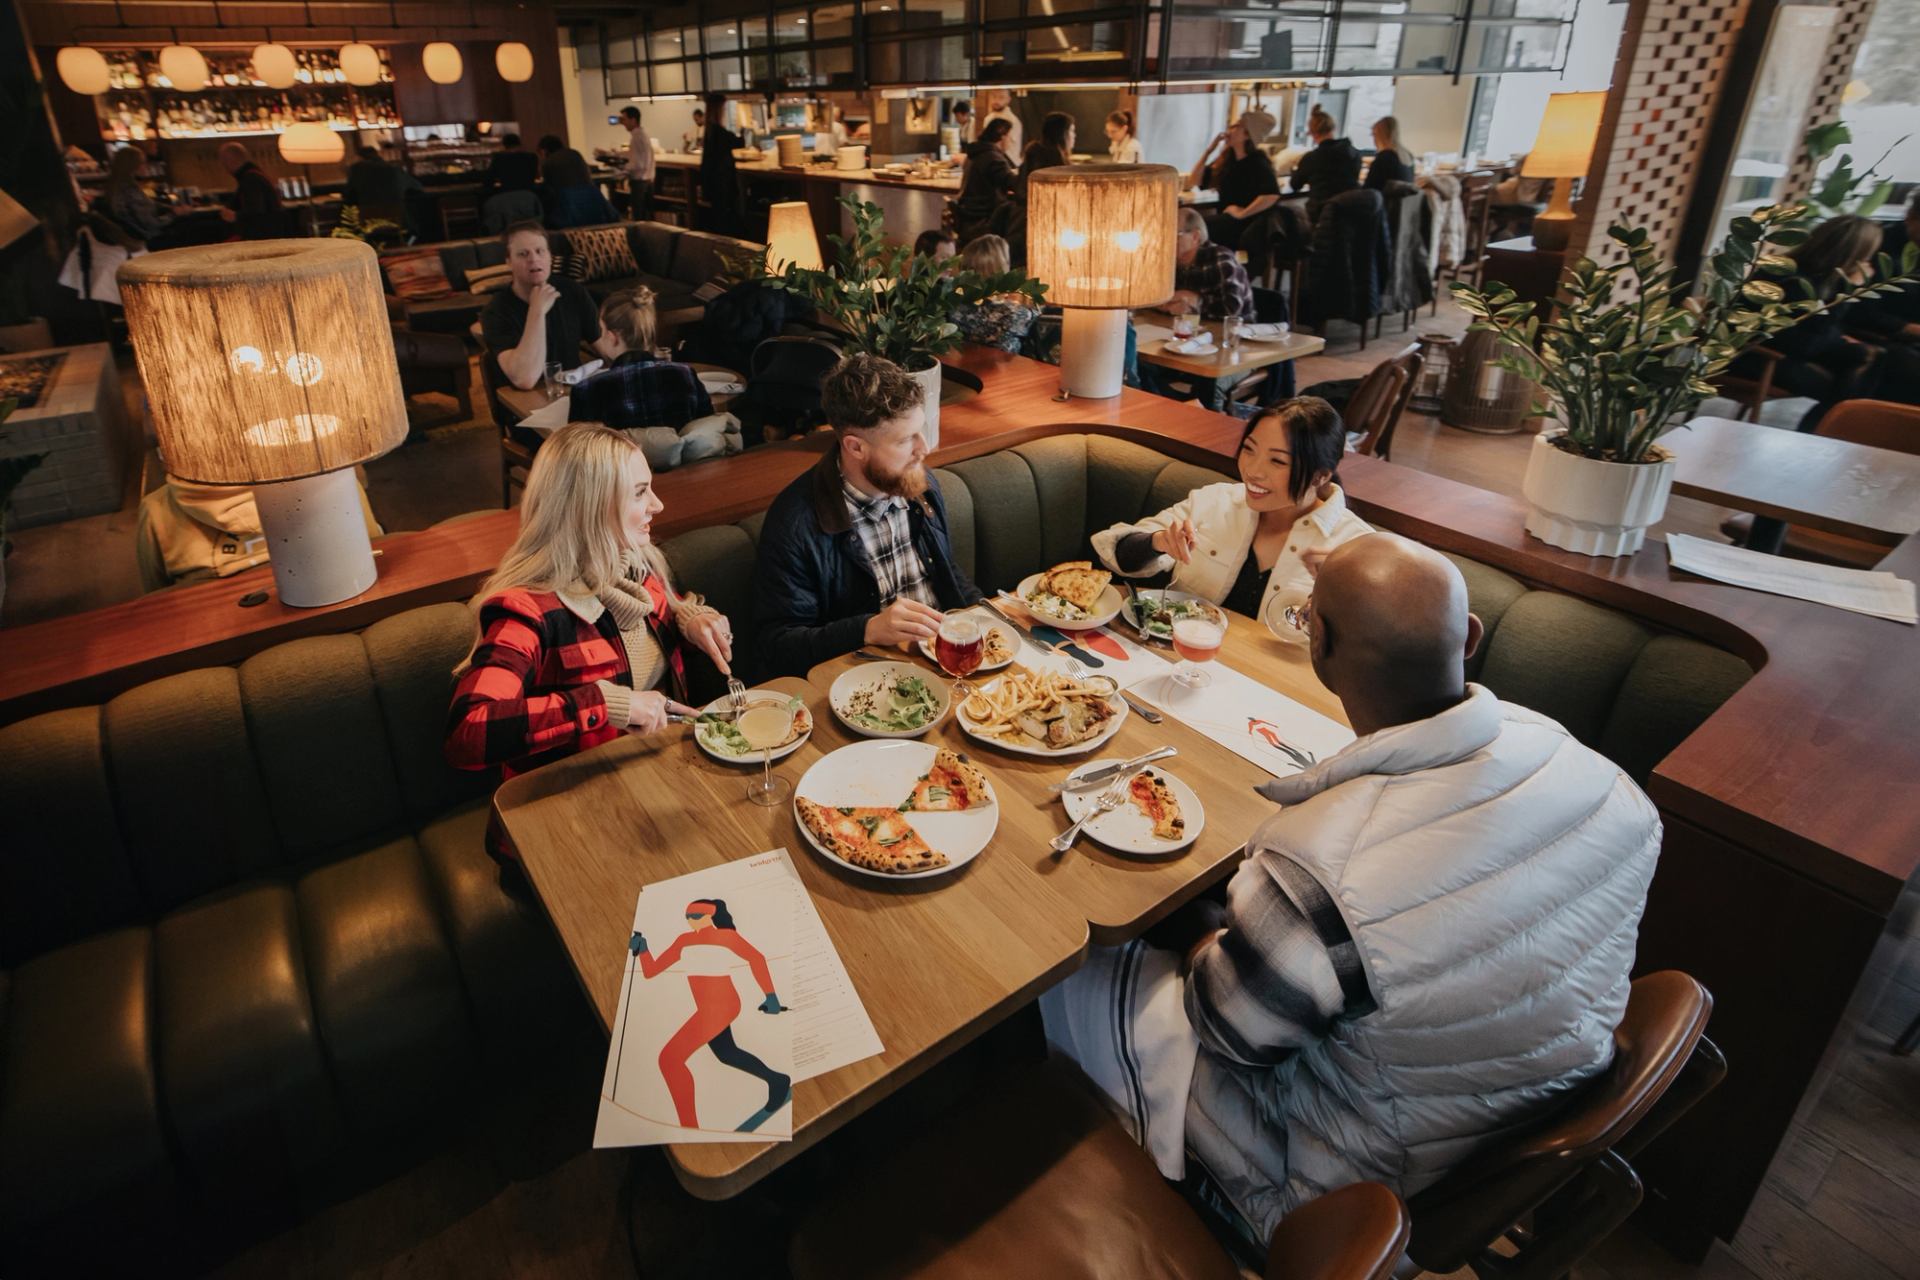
point(1831, 485)
point(522, 403)
point(1223, 363)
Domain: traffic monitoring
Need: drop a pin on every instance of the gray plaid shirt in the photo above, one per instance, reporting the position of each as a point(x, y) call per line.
point(888, 538)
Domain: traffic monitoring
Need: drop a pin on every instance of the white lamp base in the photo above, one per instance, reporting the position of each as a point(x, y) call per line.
point(1093, 352)
point(317, 537)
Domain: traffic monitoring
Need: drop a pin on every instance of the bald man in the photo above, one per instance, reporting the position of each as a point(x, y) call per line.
point(1428, 945)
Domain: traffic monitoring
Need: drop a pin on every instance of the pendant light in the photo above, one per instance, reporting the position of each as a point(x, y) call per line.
point(442, 62)
point(360, 63)
point(274, 64)
point(514, 62)
point(184, 67)
point(83, 70)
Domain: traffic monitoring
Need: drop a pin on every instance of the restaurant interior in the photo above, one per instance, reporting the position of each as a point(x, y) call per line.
point(1224, 638)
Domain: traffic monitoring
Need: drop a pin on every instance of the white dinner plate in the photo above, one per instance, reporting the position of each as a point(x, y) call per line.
point(1007, 637)
point(1119, 717)
point(756, 698)
point(883, 774)
point(871, 675)
point(1126, 829)
point(1105, 609)
point(1126, 610)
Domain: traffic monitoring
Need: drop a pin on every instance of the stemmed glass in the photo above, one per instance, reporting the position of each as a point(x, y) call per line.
point(1197, 640)
point(766, 725)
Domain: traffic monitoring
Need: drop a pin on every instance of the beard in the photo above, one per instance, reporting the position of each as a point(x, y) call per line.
point(909, 482)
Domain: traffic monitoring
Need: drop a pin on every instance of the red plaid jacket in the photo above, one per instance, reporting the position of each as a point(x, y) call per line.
point(530, 695)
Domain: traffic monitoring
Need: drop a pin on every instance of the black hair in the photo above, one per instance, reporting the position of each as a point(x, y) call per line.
point(509, 140)
point(925, 244)
point(630, 113)
point(1316, 437)
point(996, 129)
point(722, 919)
point(1054, 127)
point(962, 108)
point(550, 142)
point(369, 153)
point(716, 103)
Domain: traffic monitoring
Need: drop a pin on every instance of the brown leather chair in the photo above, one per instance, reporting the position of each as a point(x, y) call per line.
point(1753, 391)
point(1035, 1179)
point(1883, 424)
point(1569, 1179)
point(1377, 403)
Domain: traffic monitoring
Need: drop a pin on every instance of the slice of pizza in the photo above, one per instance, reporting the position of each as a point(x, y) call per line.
point(1153, 797)
point(953, 784)
point(869, 836)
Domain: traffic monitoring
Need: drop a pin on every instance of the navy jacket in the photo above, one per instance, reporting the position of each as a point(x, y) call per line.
point(813, 590)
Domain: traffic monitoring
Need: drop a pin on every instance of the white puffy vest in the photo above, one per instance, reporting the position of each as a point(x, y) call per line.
point(1492, 871)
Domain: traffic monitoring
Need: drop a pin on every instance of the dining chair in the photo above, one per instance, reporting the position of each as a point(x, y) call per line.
point(1881, 424)
point(1476, 203)
point(1558, 1190)
point(1034, 1178)
point(1752, 391)
point(1373, 412)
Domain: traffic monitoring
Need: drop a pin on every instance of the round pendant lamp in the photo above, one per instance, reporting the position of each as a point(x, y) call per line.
point(514, 61)
point(311, 142)
point(441, 62)
point(360, 63)
point(273, 63)
point(83, 70)
point(184, 68)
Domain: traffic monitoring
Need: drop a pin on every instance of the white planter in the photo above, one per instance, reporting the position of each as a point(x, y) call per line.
point(930, 385)
point(1595, 508)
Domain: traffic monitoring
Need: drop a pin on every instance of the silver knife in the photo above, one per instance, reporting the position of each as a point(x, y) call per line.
point(1141, 709)
point(1107, 773)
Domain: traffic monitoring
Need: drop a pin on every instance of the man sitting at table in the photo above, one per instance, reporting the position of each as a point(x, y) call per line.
point(1428, 946)
point(1208, 279)
point(542, 318)
point(855, 552)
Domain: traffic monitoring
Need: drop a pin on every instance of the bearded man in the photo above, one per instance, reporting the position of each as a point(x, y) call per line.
point(855, 552)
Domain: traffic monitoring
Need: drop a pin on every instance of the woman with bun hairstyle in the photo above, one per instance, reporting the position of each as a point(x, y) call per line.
point(1122, 146)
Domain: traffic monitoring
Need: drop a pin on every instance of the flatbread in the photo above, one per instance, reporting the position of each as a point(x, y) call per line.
point(872, 837)
point(952, 785)
point(1076, 582)
point(1152, 796)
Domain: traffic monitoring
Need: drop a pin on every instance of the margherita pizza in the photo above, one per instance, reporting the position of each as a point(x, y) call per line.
point(875, 838)
point(953, 784)
point(1153, 797)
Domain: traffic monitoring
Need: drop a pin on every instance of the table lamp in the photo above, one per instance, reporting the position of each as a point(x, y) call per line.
point(791, 241)
point(270, 364)
point(1100, 237)
point(1561, 151)
point(306, 144)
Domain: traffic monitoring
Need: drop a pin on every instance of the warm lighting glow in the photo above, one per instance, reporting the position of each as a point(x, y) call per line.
point(273, 63)
point(791, 241)
point(1564, 144)
point(83, 70)
point(360, 64)
point(1081, 263)
point(184, 68)
point(514, 62)
point(442, 62)
point(310, 142)
point(309, 383)
point(1855, 91)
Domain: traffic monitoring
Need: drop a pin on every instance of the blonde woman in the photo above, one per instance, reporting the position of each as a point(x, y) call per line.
point(1392, 162)
point(582, 636)
point(640, 389)
point(632, 322)
point(1002, 320)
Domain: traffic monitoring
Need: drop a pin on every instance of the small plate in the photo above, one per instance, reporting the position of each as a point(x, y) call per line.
point(1126, 610)
point(1266, 332)
point(870, 674)
point(721, 384)
point(1192, 346)
point(1126, 829)
point(756, 698)
point(1106, 608)
point(1007, 638)
point(883, 774)
point(1119, 717)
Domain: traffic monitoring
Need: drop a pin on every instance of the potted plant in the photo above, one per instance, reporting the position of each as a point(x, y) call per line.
point(12, 471)
point(893, 303)
point(1620, 366)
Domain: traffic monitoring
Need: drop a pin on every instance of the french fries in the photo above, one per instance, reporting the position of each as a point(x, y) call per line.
point(1014, 706)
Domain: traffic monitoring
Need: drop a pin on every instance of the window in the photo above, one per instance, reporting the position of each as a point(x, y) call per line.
point(1883, 101)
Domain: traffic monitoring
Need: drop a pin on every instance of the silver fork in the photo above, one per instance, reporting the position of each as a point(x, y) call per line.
point(1079, 672)
point(1109, 800)
point(736, 696)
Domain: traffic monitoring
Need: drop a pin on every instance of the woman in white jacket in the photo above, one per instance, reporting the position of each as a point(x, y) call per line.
point(1254, 546)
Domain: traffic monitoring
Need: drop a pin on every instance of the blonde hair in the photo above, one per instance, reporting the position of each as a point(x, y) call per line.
point(988, 255)
point(633, 317)
point(1390, 127)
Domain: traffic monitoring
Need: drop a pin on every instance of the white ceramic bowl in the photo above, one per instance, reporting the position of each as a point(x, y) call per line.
point(870, 674)
point(1106, 608)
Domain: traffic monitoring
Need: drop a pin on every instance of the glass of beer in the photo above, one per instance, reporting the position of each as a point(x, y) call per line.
point(1197, 640)
point(765, 725)
point(961, 645)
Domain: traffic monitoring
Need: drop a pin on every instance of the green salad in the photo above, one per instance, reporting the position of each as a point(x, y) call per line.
point(1156, 617)
point(718, 733)
point(893, 706)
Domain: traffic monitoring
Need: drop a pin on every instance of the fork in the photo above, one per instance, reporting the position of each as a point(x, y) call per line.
point(1079, 672)
point(1109, 800)
point(736, 695)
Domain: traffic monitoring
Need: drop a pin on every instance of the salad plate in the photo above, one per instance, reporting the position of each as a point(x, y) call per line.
point(889, 699)
point(714, 733)
point(1153, 612)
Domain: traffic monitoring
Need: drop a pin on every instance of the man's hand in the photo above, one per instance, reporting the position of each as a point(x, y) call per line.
point(541, 300)
point(1312, 558)
point(712, 634)
point(902, 622)
point(1182, 302)
point(1176, 540)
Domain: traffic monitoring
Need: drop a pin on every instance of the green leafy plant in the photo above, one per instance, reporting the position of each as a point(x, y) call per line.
point(12, 472)
point(379, 232)
point(1837, 193)
point(1619, 371)
point(890, 301)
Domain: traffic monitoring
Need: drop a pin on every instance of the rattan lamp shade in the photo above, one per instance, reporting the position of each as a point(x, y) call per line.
point(265, 361)
point(791, 241)
point(1101, 235)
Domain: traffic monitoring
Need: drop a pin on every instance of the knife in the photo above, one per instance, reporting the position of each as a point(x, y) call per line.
point(1141, 709)
point(1106, 773)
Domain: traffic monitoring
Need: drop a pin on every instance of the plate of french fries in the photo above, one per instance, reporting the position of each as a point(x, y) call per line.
point(1043, 713)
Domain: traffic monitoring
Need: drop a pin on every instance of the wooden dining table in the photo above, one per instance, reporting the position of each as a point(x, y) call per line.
point(521, 403)
point(937, 962)
point(1219, 369)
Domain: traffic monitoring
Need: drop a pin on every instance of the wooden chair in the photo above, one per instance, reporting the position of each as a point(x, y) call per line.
point(1374, 411)
point(1882, 424)
point(1035, 1179)
point(1752, 393)
point(516, 459)
point(1476, 204)
point(1569, 1180)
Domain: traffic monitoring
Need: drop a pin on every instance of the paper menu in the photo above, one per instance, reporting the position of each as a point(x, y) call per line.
point(1868, 591)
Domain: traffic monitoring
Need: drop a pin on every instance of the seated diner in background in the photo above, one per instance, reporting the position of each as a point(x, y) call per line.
point(987, 181)
point(856, 551)
point(1252, 546)
point(1892, 318)
point(129, 205)
point(1003, 320)
point(639, 388)
point(1053, 147)
point(541, 318)
point(937, 243)
point(1242, 175)
point(1332, 167)
point(1427, 947)
point(253, 206)
point(1391, 162)
point(582, 636)
point(1122, 146)
point(571, 196)
point(511, 168)
point(1208, 279)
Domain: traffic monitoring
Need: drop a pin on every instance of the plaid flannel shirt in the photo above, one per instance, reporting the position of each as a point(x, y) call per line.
point(1217, 276)
point(887, 537)
point(655, 393)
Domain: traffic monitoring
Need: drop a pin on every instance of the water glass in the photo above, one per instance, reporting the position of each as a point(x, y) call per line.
point(555, 388)
point(1184, 326)
point(1230, 335)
